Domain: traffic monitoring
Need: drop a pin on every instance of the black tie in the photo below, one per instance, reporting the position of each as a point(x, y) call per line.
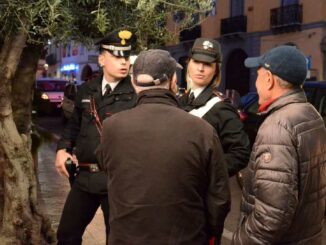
point(191, 98)
point(107, 90)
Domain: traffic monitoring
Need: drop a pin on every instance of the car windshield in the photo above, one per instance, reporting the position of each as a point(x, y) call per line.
point(51, 85)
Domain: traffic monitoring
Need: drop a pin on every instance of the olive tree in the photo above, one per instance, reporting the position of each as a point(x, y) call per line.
point(25, 27)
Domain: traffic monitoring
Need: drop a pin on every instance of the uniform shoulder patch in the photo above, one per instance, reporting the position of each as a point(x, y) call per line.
point(220, 95)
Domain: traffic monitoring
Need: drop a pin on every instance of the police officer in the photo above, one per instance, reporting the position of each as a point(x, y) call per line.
point(96, 100)
point(202, 100)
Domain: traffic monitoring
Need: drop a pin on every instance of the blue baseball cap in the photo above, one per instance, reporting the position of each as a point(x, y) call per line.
point(286, 62)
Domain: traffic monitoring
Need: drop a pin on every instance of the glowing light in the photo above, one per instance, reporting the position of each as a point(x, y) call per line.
point(69, 67)
point(44, 96)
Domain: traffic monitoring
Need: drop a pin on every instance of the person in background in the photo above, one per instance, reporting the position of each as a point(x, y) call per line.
point(168, 184)
point(202, 100)
point(95, 101)
point(284, 193)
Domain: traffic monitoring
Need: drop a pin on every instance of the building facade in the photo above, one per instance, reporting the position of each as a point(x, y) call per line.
point(247, 28)
point(72, 61)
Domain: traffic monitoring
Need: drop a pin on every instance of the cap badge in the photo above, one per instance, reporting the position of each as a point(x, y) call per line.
point(207, 44)
point(267, 65)
point(124, 35)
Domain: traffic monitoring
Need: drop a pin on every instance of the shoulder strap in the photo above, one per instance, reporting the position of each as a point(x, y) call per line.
point(201, 111)
point(94, 113)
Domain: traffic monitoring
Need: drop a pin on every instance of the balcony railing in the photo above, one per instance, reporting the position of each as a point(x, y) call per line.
point(286, 18)
point(234, 24)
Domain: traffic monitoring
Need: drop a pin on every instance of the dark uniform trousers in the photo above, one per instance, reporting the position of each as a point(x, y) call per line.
point(77, 215)
point(89, 190)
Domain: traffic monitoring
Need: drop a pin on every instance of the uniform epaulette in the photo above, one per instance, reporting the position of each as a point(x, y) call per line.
point(220, 95)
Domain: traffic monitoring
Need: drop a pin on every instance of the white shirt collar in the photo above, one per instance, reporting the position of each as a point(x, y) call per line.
point(112, 85)
point(197, 91)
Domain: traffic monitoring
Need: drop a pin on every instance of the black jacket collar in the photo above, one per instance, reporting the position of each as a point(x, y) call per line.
point(203, 97)
point(200, 101)
point(124, 86)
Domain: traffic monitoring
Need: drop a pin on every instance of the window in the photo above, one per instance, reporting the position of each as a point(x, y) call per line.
point(237, 7)
point(213, 11)
point(289, 2)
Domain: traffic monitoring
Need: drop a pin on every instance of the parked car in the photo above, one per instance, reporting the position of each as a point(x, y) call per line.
point(316, 95)
point(48, 95)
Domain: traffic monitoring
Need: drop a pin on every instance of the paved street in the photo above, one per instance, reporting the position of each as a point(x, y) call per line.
point(54, 190)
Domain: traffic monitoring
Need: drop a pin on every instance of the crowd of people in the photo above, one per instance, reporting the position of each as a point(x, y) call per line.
point(158, 164)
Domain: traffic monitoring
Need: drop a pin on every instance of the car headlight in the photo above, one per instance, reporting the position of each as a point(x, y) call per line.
point(44, 96)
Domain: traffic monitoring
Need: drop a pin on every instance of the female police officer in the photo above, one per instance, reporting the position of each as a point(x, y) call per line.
point(202, 100)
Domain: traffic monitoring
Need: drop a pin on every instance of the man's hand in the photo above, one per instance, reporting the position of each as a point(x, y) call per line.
point(60, 160)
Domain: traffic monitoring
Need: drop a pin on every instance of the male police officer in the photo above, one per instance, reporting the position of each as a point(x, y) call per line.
point(95, 101)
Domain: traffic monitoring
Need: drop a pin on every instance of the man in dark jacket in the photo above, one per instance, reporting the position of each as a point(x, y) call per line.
point(96, 100)
point(284, 193)
point(167, 176)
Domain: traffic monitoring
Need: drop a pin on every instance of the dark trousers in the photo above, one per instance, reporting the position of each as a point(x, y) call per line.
point(78, 212)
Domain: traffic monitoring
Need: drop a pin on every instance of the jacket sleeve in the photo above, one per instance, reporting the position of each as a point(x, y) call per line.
point(218, 194)
point(274, 186)
point(72, 128)
point(234, 140)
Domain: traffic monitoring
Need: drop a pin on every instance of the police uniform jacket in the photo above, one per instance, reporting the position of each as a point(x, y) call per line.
point(82, 133)
point(219, 112)
point(168, 183)
point(284, 193)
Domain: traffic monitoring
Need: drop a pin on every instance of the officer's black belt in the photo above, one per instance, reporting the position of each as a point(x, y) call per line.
point(90, 167)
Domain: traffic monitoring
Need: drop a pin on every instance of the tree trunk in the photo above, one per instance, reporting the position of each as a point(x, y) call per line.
point(22, 94)
point(22, 221)
point(22, 87)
